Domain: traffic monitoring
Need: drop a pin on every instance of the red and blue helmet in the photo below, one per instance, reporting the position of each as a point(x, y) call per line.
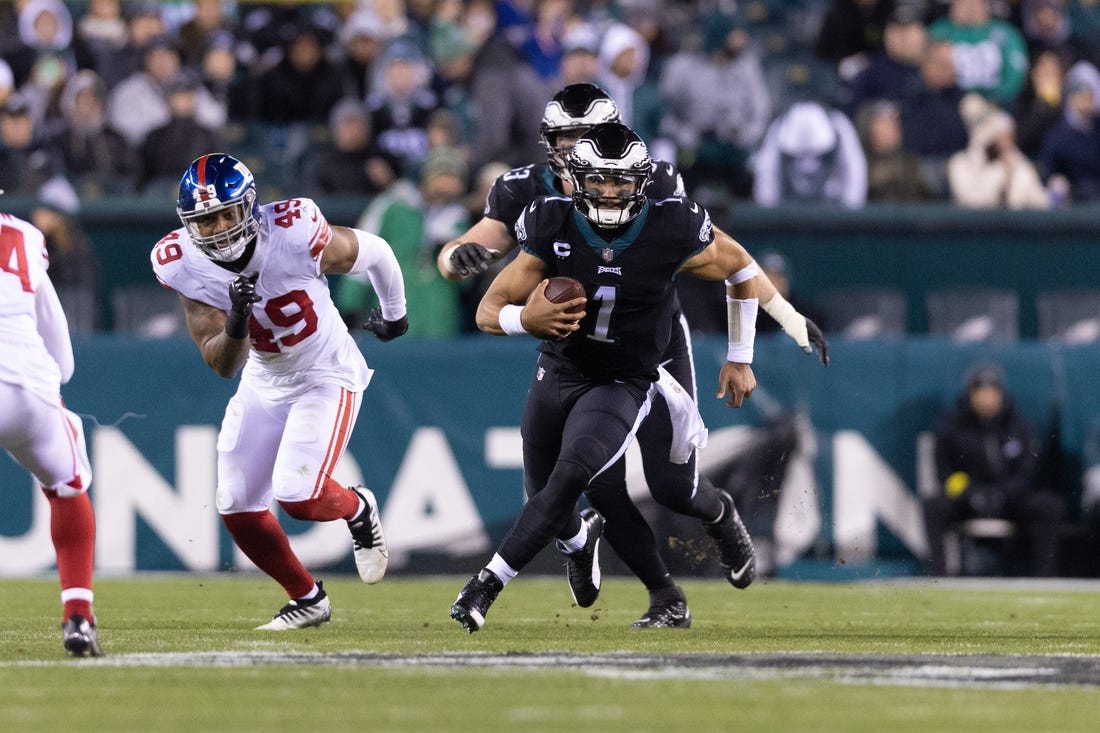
point(213, 183)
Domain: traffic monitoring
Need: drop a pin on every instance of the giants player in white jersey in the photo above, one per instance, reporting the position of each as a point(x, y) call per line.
point(35, 427)
point(253, 284)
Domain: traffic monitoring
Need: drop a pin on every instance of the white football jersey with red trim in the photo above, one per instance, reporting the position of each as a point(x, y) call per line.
point(23, 264)
point(297, 336)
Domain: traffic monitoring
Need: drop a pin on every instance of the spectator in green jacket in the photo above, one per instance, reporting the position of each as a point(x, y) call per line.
point(990, 54)
point(417, 221)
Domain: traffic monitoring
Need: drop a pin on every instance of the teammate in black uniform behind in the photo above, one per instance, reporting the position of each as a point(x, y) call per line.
point(572, 111)
point(600, 368)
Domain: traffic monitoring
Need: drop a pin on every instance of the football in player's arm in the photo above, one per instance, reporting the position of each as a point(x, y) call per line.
point(599, 367)
point(571, 112)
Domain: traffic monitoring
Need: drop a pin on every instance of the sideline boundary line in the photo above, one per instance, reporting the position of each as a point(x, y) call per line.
point(925, 670)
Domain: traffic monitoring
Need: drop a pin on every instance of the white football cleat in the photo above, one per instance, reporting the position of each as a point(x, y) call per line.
point(368, 541)
point(301, 614)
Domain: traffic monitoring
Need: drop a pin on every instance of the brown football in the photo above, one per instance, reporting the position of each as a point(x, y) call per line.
point(561, 289)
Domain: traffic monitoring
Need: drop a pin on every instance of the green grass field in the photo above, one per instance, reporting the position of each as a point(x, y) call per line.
point(182, 656)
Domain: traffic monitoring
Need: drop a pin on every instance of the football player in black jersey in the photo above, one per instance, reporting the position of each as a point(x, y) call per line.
point(601, 367)
point(567, 115)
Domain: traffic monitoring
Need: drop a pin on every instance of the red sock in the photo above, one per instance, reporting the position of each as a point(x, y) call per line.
point(263, 541)
point(72, 529)
point(334, 502)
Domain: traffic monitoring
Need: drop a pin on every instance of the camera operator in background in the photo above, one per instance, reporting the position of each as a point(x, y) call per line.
point(987, 454)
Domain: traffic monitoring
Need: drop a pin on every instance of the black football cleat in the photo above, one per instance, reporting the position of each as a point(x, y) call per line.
point(583, 566)
point(668, 609)
point(735, 551)
point(474, 599)
point(79, 637)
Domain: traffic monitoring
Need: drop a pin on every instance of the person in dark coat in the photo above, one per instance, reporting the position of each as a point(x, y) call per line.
point(1071, 149)
point(182, 138)
point(987, 455)
point(303, 86)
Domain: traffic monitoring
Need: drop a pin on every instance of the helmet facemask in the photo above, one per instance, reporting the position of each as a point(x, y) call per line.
point(229, 244)
point(610, 172)
point(217, 190)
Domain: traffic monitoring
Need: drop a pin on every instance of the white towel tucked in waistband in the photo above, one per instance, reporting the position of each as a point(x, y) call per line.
point(688, 430)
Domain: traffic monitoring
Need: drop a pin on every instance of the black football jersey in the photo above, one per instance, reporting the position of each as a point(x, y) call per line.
point(628, 281)
point(513, 191)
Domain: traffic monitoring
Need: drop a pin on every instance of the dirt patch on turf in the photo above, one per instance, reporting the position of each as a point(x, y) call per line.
point(935, 670)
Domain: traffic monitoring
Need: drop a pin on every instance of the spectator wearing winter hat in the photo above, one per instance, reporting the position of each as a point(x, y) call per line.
point(624, 61)
point(304, 85)
point(27, 160)
point(417, 221)
point(172, 147)
point(580, 60)
point(811, 154)
point(1046, 27)
point(361, 41)
point(97, 157)
point(992, 172)
point(716, 105)
point(45, 28)
point(401, 105)
point(139, 104)
point(101, 34)
point(893, 173)
point(350, 162)
point(1070, 155)
point(451, 48)
point(986, 455)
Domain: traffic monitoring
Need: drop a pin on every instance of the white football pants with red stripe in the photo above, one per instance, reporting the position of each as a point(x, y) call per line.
point(281, 450)
point(45, 438)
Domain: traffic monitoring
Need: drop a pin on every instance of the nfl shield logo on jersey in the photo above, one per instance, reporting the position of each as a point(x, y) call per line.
point(608, 254)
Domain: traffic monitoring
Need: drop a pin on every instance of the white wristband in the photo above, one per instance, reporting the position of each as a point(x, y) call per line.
point(443, 260)
point(509, 319)
point(748, 272)
point(741, 315)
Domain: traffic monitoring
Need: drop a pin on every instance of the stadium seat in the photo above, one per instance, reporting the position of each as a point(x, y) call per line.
point(147, 310)
point(865, 312)
point(974, 314)
point(1069, 316)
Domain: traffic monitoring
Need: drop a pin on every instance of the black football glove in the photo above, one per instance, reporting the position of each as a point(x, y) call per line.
point(470, 258)
point(817, 340)
point(242, 294)
point(386, 330)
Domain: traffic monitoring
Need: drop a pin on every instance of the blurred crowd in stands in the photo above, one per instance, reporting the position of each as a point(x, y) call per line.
point(417, 105)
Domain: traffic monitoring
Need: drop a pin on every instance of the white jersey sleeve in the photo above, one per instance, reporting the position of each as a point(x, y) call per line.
point(54, 328)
